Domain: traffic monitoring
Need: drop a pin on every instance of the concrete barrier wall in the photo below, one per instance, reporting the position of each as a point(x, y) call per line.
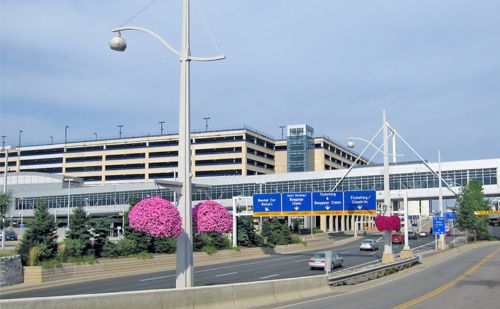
point(127, 266)
point(241, 295)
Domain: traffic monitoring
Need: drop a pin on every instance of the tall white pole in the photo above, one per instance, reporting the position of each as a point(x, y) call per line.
point(441, 241)
point(388, 256)
point(405, 202)
point(393, 147)
point(184, 261)
point(69, 198)
point(235, 227)
point(6, 167)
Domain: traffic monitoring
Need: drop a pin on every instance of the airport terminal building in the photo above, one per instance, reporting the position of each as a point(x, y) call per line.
point(228, 166)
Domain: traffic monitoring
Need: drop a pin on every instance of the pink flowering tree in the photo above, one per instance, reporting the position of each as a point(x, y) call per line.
point(156, 217)
point(211, 217)
point(387, 223)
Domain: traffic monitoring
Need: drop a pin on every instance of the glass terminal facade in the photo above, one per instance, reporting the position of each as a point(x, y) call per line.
point(417, 180)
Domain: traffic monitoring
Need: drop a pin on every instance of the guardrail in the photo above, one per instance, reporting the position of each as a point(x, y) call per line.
point(371, 272)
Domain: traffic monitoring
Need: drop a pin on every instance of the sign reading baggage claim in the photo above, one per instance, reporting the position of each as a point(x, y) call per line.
point(315, 203)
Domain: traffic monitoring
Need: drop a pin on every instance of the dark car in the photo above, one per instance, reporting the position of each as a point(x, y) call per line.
point(412, 235)
point(10, 235)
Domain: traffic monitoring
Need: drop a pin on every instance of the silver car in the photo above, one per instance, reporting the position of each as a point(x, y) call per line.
point(368, 244)
point(318, 260)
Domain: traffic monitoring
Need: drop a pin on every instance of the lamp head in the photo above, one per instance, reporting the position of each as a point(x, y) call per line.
point(351, 144)
point(118, 43)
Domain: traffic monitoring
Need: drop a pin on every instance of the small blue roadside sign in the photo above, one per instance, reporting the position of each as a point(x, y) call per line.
point(438, 226)
point(268, 204)
point(360, 202)
point(21, 226)
point(296, 204)
point(327, 203)
point(450, 215)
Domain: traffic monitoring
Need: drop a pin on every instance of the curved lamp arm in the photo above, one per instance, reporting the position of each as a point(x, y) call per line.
point(165, 43)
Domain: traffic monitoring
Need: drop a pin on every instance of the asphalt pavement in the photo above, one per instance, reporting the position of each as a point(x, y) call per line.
point(277, 266)
point(460, 278)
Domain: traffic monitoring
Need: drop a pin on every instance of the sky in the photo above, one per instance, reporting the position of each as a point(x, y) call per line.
point(434, 66)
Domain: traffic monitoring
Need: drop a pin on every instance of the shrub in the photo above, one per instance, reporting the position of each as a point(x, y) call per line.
point(164, 245)
point(109, 249)
point(125, 247)
point(33, 256)
point(74, 248)
point(216, 240)
point(209, 250)
point(276, 233)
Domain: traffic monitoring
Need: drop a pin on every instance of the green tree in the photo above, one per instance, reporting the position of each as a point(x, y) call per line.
point(79, 230)
point(41, 233)
point(276, 233)
point(247, 235)
point(472, 199)
point(100, 228)
point(4, 206)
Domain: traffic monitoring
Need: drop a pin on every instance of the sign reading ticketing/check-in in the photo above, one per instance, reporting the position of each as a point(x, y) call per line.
point(327, 203)
point(268, 204)
point(296, 204)
point(360, 202)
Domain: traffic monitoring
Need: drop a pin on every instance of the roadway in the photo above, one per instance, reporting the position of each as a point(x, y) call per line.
point(279, 266)
point(467, 279)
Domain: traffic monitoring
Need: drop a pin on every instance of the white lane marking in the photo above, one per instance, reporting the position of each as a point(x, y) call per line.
point(270, 276)
point(156, 278)
point(225, 267)
point(228, 274)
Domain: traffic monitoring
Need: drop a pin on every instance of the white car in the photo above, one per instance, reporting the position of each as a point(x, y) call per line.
point(318, 260)
point(368, 244)
point(423, 234)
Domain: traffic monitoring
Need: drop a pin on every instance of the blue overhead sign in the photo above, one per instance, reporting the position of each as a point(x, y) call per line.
point(438, 226)
point(327, 203)
point(360, 202)
point(268, 204)
point(450, 215)
point(316, 203)
point(296, 203)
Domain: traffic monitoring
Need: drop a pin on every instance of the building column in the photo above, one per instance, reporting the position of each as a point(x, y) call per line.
point(342, 223)
point(322, 223)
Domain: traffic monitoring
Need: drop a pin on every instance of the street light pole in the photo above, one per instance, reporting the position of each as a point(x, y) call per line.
point(184, 255)
point(20, 133)
point(66, 134)
point(69, 180)
point(206, 123)
point(282, 131)
point(441, 244)
point(51, 139)
point(120, 126)
point(95, 133)
point(6, 167)
point(388, 256)
point(161, 126)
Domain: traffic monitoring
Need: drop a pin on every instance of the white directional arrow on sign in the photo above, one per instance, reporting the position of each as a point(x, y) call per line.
point(327, 207)
point(360, 206)
point(266, 208)
point(296, 208)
